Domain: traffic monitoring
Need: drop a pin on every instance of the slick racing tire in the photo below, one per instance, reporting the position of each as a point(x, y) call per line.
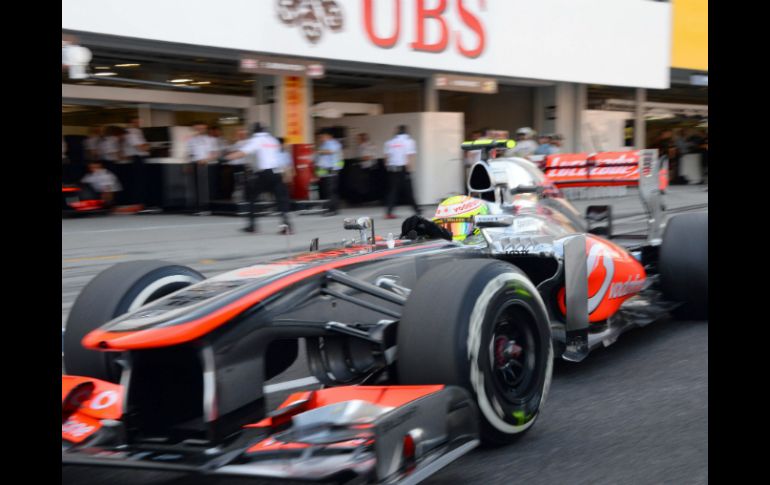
point(113, 292)
point(481, 325)
point(684, 265)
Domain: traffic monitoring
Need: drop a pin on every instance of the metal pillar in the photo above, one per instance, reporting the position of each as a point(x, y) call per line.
point(430, 95)
point(566, 107)
point(640, 125)
point(581, 102)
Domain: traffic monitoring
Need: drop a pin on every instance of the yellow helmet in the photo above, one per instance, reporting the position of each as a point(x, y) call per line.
point(455, 214)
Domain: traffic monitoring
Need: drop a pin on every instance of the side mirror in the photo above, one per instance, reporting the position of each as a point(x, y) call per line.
point(360, 224)
point(527, 189)
point(486, 221)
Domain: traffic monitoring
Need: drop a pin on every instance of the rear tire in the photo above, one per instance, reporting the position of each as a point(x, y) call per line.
point(481, 325)
point(684, 265)
point(113, 292)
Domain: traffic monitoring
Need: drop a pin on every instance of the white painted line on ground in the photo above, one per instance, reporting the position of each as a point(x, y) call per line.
point(93, 258)
point(150, 228)
point(283, 386)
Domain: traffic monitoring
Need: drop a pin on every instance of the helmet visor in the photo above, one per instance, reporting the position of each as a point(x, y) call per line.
point(460, 227)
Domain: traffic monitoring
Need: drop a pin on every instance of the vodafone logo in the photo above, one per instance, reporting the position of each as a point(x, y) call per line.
point(598, 255)
point(461, 208)
point(631, 286)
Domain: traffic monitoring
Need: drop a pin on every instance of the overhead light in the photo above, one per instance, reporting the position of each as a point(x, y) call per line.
point(179, 80)
point(201, 82)
point(105, 74)
point(127, 65)
point(102, 67)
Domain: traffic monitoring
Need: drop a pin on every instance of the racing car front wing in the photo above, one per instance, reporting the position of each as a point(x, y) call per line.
point(366, 434)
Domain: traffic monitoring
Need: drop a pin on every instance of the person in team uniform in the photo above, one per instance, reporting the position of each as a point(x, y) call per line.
point(400, 152)
point(329, 162)
point(137, 149)
point(266, 174)
point(202, 151)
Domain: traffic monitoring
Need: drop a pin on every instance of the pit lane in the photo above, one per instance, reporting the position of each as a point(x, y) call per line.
point(635, 412)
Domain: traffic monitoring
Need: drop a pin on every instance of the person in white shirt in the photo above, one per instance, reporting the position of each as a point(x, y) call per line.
point(135, 143)
point(137, 149)
point(287, 165)
point(238, 166)
point(266, 169)
point(400, 154)
point(329, 162)
point(217, 182)
point(103, 182)
point(215, 132)
point(91, 144)
point(202, 151)
point(109, 147)
point(525, 145)
point(556, 142)
point(366, 152)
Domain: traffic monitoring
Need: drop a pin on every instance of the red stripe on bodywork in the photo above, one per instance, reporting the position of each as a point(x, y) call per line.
point(186, 332)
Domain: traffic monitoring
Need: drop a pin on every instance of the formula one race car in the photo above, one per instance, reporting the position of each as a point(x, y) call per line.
point(80, 199)
point(425, 345)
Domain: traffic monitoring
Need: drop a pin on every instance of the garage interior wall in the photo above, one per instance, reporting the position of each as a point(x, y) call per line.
point(396, 99)
point(510, 109)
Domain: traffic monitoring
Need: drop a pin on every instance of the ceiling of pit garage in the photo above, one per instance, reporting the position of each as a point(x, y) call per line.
point(214, 75)
point(677, 94)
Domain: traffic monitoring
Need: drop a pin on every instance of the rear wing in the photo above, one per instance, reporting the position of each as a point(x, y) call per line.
point(604, 169)
point(637, 168)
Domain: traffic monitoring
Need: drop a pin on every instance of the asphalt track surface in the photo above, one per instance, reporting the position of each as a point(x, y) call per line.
point(633, 413)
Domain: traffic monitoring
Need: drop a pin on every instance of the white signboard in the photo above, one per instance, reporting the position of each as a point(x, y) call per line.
point(612, 42)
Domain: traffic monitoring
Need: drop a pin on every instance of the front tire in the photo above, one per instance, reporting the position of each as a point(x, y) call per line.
point(481, 325)
point(113, 292)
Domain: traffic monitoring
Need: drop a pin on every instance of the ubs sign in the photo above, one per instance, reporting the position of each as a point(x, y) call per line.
point(313, 16)
point(630, 46)
point(423, 15)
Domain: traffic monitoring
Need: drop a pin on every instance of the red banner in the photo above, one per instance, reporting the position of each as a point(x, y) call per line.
point(594, 170)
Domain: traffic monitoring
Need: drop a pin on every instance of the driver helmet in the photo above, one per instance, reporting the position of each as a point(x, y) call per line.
point(455, 214)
